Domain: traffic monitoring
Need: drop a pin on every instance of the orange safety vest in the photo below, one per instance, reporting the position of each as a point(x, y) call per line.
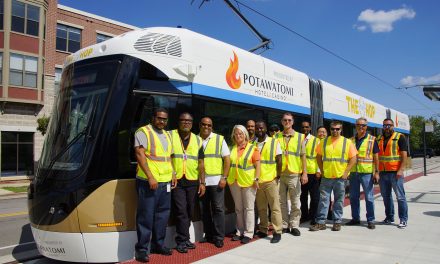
point(389, 158)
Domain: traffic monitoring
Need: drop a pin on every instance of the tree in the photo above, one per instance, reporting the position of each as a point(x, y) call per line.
point(416, 133)
point(43, 122)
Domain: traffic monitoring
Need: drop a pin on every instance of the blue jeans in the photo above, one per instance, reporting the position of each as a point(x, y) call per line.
point(325, 189)
point(153, 211)
point(366, 180)
point(387, 182)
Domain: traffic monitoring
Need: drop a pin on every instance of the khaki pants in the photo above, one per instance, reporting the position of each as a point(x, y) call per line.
point(290, 184)
point(244, 200)
point(268, 194)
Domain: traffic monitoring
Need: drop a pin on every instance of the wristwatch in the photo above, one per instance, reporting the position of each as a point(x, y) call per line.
point(256, 179)
point(203, 183)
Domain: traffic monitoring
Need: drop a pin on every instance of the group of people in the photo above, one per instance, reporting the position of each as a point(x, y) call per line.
point(263, 171)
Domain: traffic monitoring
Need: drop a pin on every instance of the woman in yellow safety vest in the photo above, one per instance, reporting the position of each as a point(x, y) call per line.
point(243, 182)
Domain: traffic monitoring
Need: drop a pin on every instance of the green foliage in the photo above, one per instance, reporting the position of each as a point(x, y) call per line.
point(416, 133)
point(43, 122)
point(19, 189)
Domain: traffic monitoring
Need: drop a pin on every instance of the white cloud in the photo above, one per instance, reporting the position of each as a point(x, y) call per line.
point(382, 21)
point(419, 80)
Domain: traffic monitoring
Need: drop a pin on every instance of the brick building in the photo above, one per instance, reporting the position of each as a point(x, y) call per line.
point(35, 38)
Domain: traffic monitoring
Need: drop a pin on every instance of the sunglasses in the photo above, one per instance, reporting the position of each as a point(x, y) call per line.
point(335, 128)
point(206, 125)
point(186, 120)
point(387, 126)
point(287, 120)
point(361, 125)
point(161, 119)
point(305, 127)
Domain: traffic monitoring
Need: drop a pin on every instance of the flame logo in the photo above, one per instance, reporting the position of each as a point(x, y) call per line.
point(397, 122)
point(231, 73)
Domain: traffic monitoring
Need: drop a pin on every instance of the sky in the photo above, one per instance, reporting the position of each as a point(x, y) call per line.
point(396, 41)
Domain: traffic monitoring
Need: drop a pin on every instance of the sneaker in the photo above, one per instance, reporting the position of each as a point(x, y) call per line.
point(181, 248)
point(371, 225)
point(402, 224)
point(190, 245)
point(387, 221)
point(353, 222)
point(295, 232)
point(245, 240)
point(260, 234)
point(317, 227)
point(336, 227)
point(275, 238)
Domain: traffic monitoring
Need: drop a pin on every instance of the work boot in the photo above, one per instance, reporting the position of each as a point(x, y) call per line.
point(317, 227)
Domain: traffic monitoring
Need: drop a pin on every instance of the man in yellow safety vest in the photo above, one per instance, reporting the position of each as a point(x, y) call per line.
point(188, 163)
point(336, 155)
point(365, 172)
point(294, 173)
point(154, 180)
point(216, 163)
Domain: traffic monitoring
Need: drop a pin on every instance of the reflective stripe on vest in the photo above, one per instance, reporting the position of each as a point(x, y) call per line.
point(389, 158)
point(186, 161)
point(291, 161)
point(312, 164)
point(213, 159)
point(335, 159)
point(364, 159)
point(242, 170)
point(267, 161)
point(158, 159)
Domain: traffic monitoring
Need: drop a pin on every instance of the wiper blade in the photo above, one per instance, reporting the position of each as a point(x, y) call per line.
point(85, 132)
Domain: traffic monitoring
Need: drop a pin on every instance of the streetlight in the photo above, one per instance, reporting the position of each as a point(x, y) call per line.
point(432, 92)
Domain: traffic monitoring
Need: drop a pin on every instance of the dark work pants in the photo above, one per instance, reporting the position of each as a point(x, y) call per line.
point(312, 188)
point(153, 211)
point(213, 213)
point(184, 198)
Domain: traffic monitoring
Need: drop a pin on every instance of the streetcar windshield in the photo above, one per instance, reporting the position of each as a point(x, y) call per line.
point(77, 113)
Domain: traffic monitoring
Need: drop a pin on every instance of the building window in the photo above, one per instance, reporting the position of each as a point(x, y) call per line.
point(17, 153)
point(101, 37)
point(58, 72)
point(25, 18)
point(2, 12)
point(68, 38)
point(23, 70)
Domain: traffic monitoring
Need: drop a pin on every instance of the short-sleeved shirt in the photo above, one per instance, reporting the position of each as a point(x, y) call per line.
point(403, 146)
point(213, 180)
point(140, 139)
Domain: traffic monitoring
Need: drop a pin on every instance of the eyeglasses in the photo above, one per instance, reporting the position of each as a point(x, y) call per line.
point(206, 125)
point(305, 127)
point(361, 125)
point(161, 119)
point(335, 128)
point(287, 120)
point(186, 120)
point(387, 125)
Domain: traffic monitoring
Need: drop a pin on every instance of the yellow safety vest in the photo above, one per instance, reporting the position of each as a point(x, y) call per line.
point(312, 164)
point(213, 160)
point(291, 161)
point(335, 159)
point(364, 161)
point(242, 170)
point(185, 162)
point(268, 161)
point(158, 159)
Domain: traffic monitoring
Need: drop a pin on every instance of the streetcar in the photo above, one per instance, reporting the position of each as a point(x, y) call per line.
point(82, 200)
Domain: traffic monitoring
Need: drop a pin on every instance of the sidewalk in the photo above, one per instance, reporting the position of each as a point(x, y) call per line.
point(6, 194)
point(418, 243)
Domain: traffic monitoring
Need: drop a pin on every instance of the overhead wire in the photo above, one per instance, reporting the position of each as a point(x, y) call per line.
point(336, 55)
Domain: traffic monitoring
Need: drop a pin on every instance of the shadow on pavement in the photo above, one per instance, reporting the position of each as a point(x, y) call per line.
point(432, 213)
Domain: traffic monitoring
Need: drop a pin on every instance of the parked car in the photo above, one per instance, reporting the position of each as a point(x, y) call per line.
point(419, 153)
